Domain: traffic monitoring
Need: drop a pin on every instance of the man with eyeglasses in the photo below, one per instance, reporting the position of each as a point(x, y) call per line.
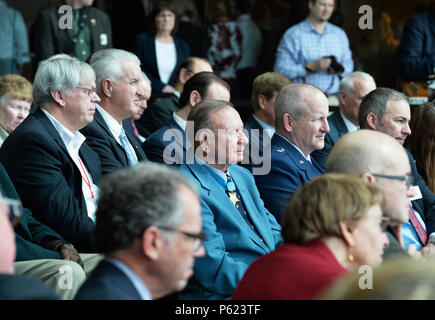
point(118, 79)
point(379, 159)
point(149, 227)
point(14, 286)
point(388, 111)
point(52, 168)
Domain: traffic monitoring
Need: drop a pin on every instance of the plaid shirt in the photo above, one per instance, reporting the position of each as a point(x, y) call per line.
point(302, 44)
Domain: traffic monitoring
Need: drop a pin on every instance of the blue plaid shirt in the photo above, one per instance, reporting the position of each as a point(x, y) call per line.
point(302, 44)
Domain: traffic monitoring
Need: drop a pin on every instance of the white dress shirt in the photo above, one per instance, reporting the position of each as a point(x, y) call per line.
point(73, 142)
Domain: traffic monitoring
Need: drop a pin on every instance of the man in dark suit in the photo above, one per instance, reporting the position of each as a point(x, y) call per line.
point(353, 88)
point(237, 226)
point(160, 111)
point(42, 253)
point(91, 30)
point(12, 286)
point(388, 111)
point(265, 88)
point(54, 171)
point(301, 111)
point(118, 76)
point(149, 227)
point(169, 144)
point(416, 53)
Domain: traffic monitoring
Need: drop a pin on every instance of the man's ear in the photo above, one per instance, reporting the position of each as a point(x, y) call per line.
point(287, 121)
point(372, 121)
point(152, 243)
point(107, 87)
point(183, 75)
point(368, 177)
point(194, 98)
point(342, 97)
point(261, 99)
point(59, 97)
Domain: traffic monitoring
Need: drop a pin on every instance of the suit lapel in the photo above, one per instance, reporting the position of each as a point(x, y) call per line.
point(120, 152)
point(309, 170)
point(337, 122)
point(46, 123)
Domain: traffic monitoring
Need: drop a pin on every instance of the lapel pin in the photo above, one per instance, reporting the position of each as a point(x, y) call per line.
point(280, 150)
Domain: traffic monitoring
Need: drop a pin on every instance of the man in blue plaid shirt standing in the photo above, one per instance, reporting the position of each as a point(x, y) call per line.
point(306, 49)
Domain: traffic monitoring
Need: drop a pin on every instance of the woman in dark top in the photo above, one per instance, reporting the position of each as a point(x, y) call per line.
point(160, 52)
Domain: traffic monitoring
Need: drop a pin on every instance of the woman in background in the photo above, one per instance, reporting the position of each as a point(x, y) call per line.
point(421, 143)
point(16, 95)
point(161, 52)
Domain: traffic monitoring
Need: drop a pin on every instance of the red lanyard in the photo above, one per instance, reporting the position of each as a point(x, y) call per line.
point(87, 181)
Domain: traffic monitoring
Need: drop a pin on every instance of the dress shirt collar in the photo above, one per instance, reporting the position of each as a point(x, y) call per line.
point(137, 282)
point(308, 158)
point(72, 141)
point(349, 124)
point(267, 128)
point(181, 122)
point(215, 172)
point(309, 27)
point(177, 94)
point(114, 126)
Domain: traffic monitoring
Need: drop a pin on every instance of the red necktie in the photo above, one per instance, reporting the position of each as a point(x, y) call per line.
point(418, 226)
point(136, 132)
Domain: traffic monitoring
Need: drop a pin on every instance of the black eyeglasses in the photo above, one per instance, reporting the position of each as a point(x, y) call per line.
point(408, 178)
point(15, 210)
point(88, 91)
point(197, 238)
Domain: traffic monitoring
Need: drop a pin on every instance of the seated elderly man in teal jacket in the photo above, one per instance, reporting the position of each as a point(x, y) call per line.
point(237, 226)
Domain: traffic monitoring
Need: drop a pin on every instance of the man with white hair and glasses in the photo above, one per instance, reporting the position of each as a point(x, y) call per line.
point(53, 169)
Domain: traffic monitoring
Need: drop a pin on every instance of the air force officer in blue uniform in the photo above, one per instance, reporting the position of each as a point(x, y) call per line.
point(301, 112)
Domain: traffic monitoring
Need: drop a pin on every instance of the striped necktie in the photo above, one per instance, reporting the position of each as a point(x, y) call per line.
point(132, 159)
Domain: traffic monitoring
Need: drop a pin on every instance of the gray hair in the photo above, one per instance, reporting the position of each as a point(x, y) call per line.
point(291, 101)
point(145, 78)
point(108, 63)
point(347, 82)
point(133, 199)
point(58, 74)
point(376, 102)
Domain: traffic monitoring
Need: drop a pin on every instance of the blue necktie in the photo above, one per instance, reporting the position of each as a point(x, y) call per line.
point(128, 148)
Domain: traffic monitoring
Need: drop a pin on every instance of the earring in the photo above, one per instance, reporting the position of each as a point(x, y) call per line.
point(350, 255)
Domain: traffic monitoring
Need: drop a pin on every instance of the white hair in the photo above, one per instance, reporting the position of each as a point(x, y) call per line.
point(108, 63)
point(347, 83)
point(58, 74)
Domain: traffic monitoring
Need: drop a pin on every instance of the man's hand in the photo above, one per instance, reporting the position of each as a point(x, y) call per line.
point(67, 252)
point(321, 64)
point(429, 251)
point(168, 89)
point(413, 252)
